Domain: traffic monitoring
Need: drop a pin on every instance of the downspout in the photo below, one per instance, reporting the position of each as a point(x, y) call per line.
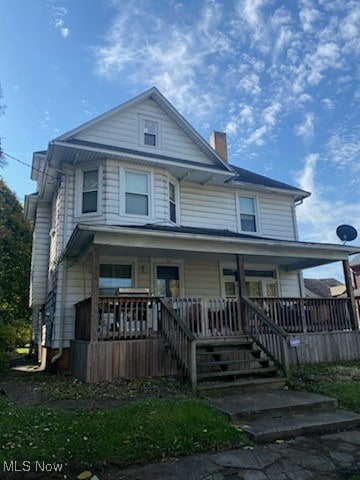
point(56, 357)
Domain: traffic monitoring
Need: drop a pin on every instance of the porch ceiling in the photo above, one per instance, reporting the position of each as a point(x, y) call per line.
point(203, 244)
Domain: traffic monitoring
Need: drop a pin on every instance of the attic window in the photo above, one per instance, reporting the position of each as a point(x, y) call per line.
point(150, 132)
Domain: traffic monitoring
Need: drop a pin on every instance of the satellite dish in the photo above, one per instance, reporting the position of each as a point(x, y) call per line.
point(346, 233)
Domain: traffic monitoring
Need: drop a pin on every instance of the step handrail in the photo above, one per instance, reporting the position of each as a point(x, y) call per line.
point(273, 339)
point(180, 341)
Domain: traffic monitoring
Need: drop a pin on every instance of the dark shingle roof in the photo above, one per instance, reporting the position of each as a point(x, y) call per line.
point(246, 176)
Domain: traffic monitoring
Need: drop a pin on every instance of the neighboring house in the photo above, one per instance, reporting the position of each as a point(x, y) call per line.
point(355, 268)
point(323, 287)
point(148, 243)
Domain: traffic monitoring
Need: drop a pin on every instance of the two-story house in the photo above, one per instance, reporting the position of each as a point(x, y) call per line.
point(150, 246)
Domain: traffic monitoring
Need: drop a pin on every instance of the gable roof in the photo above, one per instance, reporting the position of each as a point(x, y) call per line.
point(68, 146)
point(155, 95)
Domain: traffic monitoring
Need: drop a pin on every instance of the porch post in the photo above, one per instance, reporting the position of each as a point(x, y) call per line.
point(95, 271)
point(240, 265)
point(350, 293)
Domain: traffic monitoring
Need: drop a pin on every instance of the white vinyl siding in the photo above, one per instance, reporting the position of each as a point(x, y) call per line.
point(122, 130)
point(207, 207)
point(216, 207)
point(277, 217)
point(40, 256)
point(290, 284)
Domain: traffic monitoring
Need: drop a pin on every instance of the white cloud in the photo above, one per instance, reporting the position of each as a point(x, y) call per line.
point(319, 215)
point(343, 149)
point(65, 32)
point(328, 103)
point(270, 113)
point(231, 128)
point(306, 129)
point(250, 83)
point(308, 16)
point(171, 57)
point(59, 14)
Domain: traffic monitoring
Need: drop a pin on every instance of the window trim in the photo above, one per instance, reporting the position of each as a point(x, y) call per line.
point(167, 262)
point(79, 179)
point(176, 201)
point(256, 213)
point(150, 193)
point(142, 120)
point(263, 280)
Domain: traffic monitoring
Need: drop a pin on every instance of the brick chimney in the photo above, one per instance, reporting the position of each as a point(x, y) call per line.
point(218, 143)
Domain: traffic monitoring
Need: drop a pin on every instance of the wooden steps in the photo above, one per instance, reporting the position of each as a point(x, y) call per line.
point(233, 364)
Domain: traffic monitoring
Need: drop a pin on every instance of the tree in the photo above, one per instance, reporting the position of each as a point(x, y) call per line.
point(15, 251)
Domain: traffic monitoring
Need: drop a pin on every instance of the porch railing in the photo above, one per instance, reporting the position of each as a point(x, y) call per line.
point(301, 315)
point(206, 317)
point(120, 317)
point(137, 316)
point(180, 341)
point(270, 337)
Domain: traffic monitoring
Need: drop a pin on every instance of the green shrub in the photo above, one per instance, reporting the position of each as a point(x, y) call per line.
point(11, 335)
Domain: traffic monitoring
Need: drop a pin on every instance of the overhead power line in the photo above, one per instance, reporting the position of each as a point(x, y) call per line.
point(28, 165)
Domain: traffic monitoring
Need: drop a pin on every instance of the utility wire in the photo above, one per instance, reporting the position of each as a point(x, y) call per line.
point(28, 165)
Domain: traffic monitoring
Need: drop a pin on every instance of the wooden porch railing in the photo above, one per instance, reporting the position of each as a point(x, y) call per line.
point(120, 317)
point(270, 337)
point(137, 316)
point(207, 317)
point(180, 341)
point(301, 315)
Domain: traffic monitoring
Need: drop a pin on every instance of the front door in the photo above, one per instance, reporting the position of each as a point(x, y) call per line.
point(167, 281)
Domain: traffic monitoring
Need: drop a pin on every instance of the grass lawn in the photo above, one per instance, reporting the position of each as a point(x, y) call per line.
point(339, 381)
point(143, 430)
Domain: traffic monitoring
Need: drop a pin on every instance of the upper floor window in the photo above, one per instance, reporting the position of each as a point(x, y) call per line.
point(150, 133)
point(90, 186)
point(172, 202)
point(136, 193)
point(248, 221)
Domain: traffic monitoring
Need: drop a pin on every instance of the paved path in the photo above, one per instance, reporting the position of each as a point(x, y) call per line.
point(325, 457)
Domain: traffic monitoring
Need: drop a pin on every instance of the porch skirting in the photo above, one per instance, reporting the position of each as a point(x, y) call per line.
point(105, 361)
point(322, 347)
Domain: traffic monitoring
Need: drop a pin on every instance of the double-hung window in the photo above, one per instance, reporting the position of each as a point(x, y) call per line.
point(136, 193)
point(172, 202)
point(248, 221)
point(90, 187)
point(150, 133)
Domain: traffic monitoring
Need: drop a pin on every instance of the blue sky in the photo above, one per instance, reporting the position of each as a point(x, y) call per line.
point(281, 78)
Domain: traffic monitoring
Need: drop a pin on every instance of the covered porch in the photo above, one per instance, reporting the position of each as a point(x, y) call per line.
point(146, 312)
